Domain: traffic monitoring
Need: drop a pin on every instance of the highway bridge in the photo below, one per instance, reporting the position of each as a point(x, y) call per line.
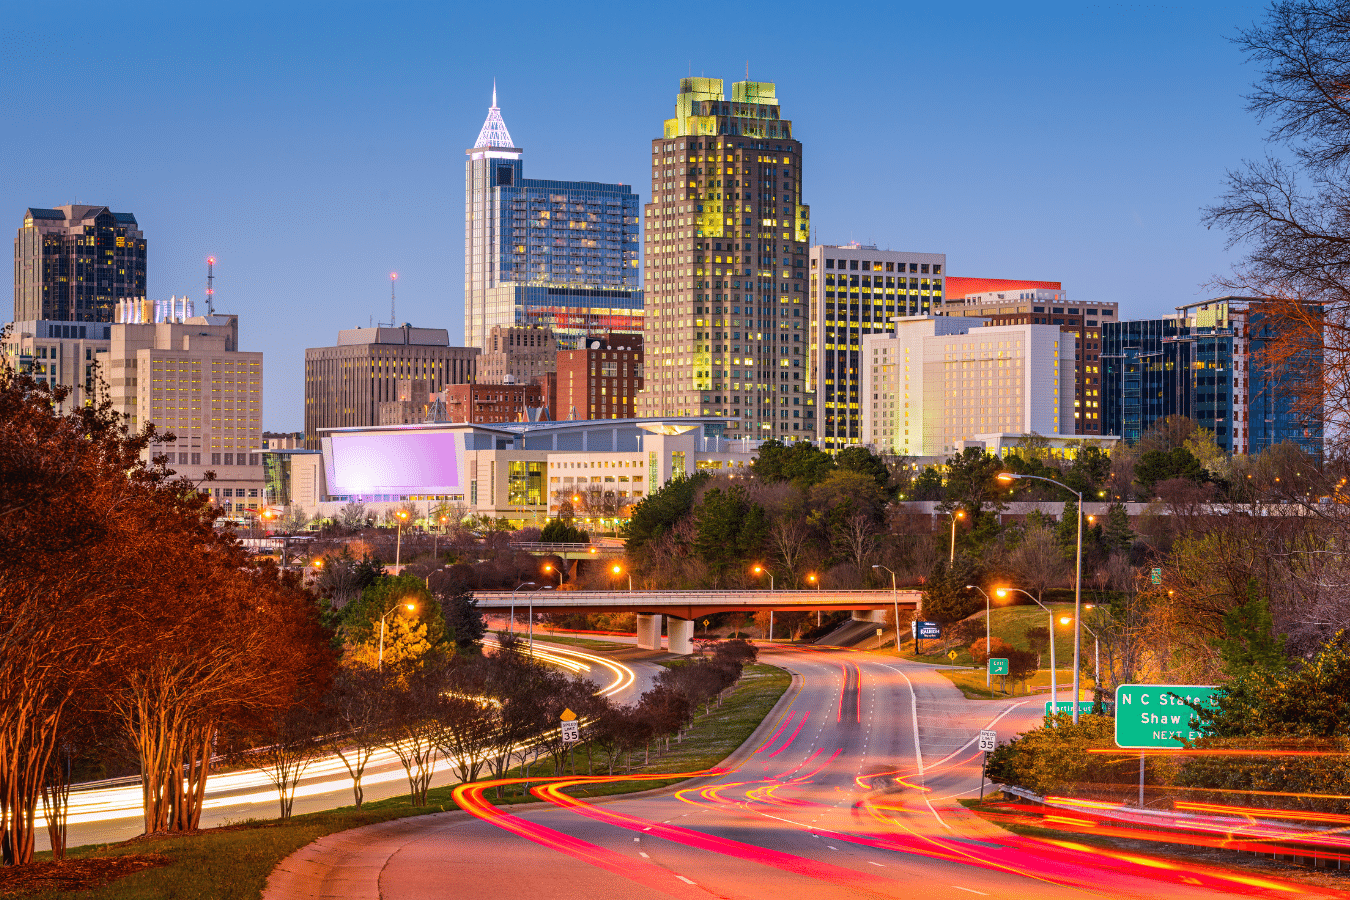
point(683, 608)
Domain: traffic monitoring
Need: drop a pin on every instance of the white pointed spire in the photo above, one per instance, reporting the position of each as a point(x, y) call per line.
point(494, 133)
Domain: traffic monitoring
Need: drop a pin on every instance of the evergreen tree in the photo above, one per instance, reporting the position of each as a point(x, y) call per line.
point(1119, 537)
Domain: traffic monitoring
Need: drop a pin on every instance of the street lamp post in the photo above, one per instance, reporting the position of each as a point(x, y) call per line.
point(811, 577)
point(760, 570)
point(401, 515)
point(547, 587)
point(956, 514)
point(548, 567)
point(988, 615)
point(379, 661)
point(1077, 585)
point(1054, 682)
point(895, 602)
point(617, 570)
point(511, 625)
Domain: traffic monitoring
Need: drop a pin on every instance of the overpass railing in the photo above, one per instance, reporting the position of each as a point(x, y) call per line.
point(759, 599)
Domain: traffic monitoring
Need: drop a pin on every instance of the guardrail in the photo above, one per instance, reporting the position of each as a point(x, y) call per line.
point(720, 600)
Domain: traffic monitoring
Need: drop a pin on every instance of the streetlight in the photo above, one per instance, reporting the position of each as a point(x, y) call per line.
point(1077, 584)
point(411, 607)
point(1054, 684)
point(811, 577)
point(548, 567)
point(895, 602)
point(956, 514)
point(436, 539)
point(401, 515)
point(760, 570)
point(618, 570)
point(988, 615)
point(547, 587)
point(510, 628)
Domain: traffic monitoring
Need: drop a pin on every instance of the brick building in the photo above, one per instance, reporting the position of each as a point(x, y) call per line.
point(601, 381)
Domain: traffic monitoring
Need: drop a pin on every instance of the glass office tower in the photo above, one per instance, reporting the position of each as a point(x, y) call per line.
point(562, 254)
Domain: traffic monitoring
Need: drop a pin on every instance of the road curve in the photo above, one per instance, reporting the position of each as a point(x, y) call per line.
point(848, 789)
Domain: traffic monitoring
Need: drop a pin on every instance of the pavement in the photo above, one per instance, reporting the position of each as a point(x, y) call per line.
point(849, 788)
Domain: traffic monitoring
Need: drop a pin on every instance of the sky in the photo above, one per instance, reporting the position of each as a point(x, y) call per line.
point(313, 149)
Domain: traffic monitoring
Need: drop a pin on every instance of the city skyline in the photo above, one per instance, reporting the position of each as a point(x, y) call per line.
point(1085, 162)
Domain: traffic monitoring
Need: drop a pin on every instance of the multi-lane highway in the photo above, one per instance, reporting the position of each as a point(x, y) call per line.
point(849, 789)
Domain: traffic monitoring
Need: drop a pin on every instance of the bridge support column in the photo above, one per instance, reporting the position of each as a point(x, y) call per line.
point(680, 635)
point(648, 631)
point(870, 615)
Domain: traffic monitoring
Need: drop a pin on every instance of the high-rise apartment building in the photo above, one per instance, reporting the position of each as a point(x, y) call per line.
point(61, 354)
point(1025, 304)
point(562, 254)
point(74, 262)
point(517, 353)
point(936, 383)
point(345, 384)
point(1204, 362)
point(728, 318)
point(191, 378)
point(857, 290)
point(601, 381)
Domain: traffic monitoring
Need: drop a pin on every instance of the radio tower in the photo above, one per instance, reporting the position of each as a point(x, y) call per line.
point(393, 319)
point(210, 285)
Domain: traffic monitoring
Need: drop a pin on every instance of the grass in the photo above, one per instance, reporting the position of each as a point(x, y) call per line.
point(1010, 624)
point(582, 643)
point(233, 863)
point(971, 683)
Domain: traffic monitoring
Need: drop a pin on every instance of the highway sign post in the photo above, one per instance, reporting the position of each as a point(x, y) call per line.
point(999, 666)
point(925, 631)
point(571, 733)
point(988, 741)
point(1158, 716)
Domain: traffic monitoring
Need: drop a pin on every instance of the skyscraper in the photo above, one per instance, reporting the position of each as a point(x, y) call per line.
point(562, 254)
point(728, 316)
point(859, 290)
point(73, 263)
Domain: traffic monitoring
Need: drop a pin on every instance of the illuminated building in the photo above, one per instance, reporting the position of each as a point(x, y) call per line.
point(856, 290)
point(524, 472)
point(1010, 302)
point(937, 384)
point(190, 378)
point(1204, 363)
point(74, 262)
point(727, 331)
point(482, 403)
point(562, 254)
point(345, 384)
point(600, 381)
point(60, 354)
point(517, 353)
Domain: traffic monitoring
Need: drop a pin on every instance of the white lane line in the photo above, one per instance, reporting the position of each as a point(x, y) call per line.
point(832, 848)
point(968, 744)
point(685, 880)
point(643, 855)
point(918, 753)
point(877, 864)
point(970, 890)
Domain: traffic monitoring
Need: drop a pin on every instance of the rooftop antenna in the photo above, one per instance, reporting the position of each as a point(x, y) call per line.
point(747, 70)
point(210, 285)
point(393, 276)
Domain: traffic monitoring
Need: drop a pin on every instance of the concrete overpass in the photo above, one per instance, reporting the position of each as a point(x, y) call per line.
point(683, 608)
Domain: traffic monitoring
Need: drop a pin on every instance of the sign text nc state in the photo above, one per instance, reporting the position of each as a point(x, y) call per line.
point(1157, 715)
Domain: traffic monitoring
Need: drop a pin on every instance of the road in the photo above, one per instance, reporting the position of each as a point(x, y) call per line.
point(113, 812)
point(849, 789)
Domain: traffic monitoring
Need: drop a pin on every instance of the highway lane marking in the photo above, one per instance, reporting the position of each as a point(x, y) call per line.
point(877, 864)
point(643, 855)
point(685, 880)
point(918, 751)
point(970, 890)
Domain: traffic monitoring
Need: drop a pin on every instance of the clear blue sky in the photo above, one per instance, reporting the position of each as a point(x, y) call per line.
point(315, 148)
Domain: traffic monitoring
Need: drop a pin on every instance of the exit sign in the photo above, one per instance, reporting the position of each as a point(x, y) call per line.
point(1156, 716)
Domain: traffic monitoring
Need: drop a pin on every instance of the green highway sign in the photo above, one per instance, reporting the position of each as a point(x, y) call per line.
point(1155, 575)
point(1085, 707)
point(998, 667)
point(1155, 716)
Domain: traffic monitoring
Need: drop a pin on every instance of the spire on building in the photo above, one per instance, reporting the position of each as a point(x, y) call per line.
point(494, 133)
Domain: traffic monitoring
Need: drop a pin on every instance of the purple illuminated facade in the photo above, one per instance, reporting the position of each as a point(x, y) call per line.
point(379, 463)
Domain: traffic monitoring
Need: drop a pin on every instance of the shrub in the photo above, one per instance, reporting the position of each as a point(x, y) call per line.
point(1051, 760)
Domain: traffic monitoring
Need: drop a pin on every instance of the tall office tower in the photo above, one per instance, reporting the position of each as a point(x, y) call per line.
point(562, 254)
point(73, 263)
point(189, 377)
point(1023, 304)
point(517, 353)
point(1205, 362)
point(856, 290)
point(937, 383)
point(728, 329)
point(345, 384)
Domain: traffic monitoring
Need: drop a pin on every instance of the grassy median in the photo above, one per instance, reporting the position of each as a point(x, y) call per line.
point(233, 863)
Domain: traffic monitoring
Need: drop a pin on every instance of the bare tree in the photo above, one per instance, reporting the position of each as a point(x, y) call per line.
point(858, 536)
point(1038, 561)
point(355, 721)
point(790, 535)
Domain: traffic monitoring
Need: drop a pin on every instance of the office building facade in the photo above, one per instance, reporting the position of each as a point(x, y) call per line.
point(857, 290)
point(728, 320)
point(59, 354)
point(345, 384)
point(517, 353)
point(73, 263)
point(936, 383)
point(601, 381)
point(487, 403)
point(190, 378)
point(1051, 306)
point(558, 254)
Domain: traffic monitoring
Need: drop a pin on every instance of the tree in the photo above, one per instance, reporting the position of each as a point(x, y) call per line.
point(657, 513)
point(801, 463)
point(355, 721)
point(1038, 560)
point(1161, 465)
point(353, 515)
point(864, 462)
point(730, 527)
point(945, 598)
point(1022, 665)
point(1118, 536)
point(463, 621)
point(789, 536)
point(286, 745)
point(1249, 642)
point(995, 648)
point(414, 727)
point(1289, 212)
point(558, 531)
point(972, 483)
